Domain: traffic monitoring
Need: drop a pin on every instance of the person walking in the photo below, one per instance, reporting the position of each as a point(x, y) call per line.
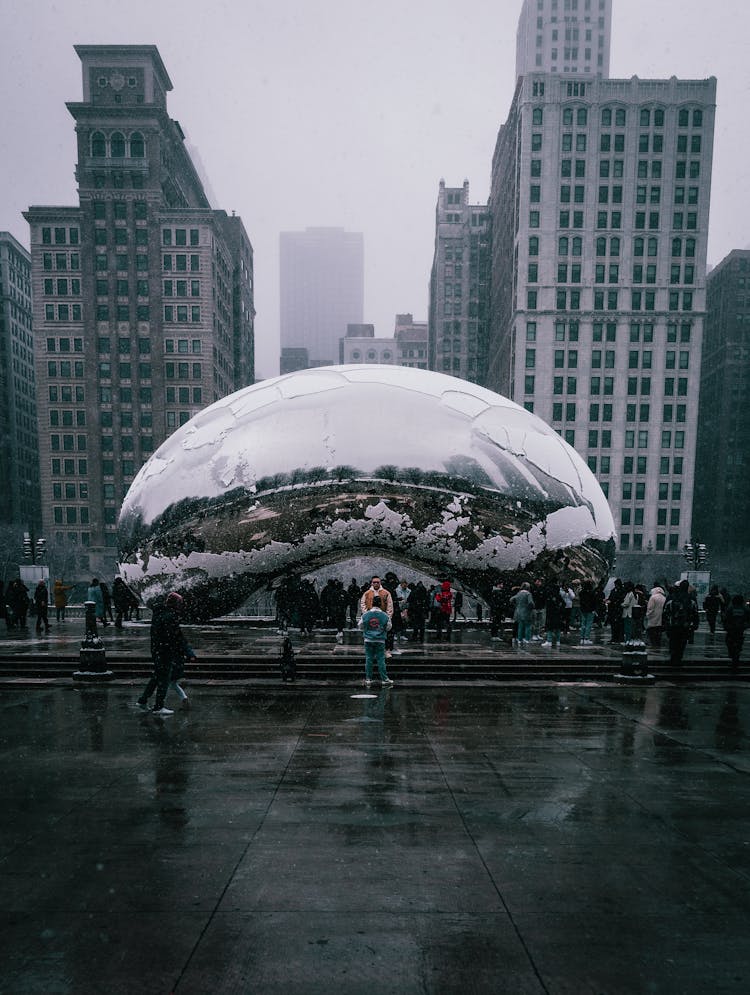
point(169, 651)
point(375, 624)
point(41, 603)
point(735, 622)
point(60, 599)
point(680, 619)
point(523, 609)
point(712, 606)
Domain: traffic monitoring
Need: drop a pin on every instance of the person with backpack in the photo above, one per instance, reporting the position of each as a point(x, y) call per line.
point(680, 619)
point(735, 621)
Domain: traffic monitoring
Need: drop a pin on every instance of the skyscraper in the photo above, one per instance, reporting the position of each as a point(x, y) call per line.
point(322, 290)
point(143, 300)
point(599, 204)
point(564, 36)
point(722, 465)
point(19, 448)
point(457, 319)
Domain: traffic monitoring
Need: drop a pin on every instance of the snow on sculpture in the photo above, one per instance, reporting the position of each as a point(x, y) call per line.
point(318, 466)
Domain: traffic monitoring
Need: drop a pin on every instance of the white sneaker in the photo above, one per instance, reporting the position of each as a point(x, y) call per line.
point(387, 683)
point(546, 645)
point(397, 652)
point(368, 683)
point(163, 711)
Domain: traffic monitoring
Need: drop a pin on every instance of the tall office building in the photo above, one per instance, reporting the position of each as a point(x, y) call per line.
point(322, 290)
point(564, 36)
point(721, 508)
point(143, 300)
point(599, 204)
point(19, 447)
point(457, 318)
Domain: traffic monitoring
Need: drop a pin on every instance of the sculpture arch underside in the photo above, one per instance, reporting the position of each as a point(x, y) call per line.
point(218, 552)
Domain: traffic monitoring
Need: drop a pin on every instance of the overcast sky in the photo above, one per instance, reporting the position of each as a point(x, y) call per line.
point(343, 113)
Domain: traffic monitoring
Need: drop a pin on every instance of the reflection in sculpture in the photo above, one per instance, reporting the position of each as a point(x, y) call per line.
point(318, 466)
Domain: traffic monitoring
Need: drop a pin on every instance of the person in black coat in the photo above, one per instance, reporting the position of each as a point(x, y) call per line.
point(735, 621)
point(41, 603)
point(712, 606)
point(680, 619)
point(169, 651)
point(419, 609)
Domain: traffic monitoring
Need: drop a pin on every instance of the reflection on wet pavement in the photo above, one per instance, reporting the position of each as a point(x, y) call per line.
point(556, 838)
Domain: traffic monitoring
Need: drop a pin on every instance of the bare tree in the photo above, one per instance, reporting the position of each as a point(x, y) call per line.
point(11, 550)
point(64, 560)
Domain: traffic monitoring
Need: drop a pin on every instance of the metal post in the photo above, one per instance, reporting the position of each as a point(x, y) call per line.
point(93, 657)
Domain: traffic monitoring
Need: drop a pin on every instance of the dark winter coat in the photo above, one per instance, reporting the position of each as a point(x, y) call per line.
point(680, 612)
point(555, 610)
point(167, 641)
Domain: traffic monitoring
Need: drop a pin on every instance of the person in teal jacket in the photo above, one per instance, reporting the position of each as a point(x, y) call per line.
point(375, 624)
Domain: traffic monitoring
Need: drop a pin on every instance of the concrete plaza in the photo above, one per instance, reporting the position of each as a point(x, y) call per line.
point(431, 839)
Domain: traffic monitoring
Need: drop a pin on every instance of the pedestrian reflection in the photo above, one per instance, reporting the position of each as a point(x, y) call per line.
point(671, 714)
point(171, 776)
point(94, 704)
point(729, 731)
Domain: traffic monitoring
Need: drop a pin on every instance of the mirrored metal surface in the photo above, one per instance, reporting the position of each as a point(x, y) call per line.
point(314, 467)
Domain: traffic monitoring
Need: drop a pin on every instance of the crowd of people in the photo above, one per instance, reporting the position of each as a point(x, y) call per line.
point(546, 611)
point(410, 605)
point(16, 603)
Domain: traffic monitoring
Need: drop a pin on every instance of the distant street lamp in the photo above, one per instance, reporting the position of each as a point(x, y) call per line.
point(696, 554)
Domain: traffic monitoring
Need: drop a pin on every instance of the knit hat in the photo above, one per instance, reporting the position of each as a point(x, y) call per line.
point(174, 601)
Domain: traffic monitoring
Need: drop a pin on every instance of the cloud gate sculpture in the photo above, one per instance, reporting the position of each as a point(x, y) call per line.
point(319, 466)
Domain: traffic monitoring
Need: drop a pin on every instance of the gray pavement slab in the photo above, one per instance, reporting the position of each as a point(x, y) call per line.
point(471, 839)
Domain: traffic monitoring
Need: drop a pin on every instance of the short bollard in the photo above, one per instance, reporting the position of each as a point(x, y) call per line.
point(634, 667)
point(93, 657)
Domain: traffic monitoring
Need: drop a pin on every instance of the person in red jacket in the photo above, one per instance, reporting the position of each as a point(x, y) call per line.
point(444, 599)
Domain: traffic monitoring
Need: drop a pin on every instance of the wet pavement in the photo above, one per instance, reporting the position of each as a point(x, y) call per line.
point(485, 839)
